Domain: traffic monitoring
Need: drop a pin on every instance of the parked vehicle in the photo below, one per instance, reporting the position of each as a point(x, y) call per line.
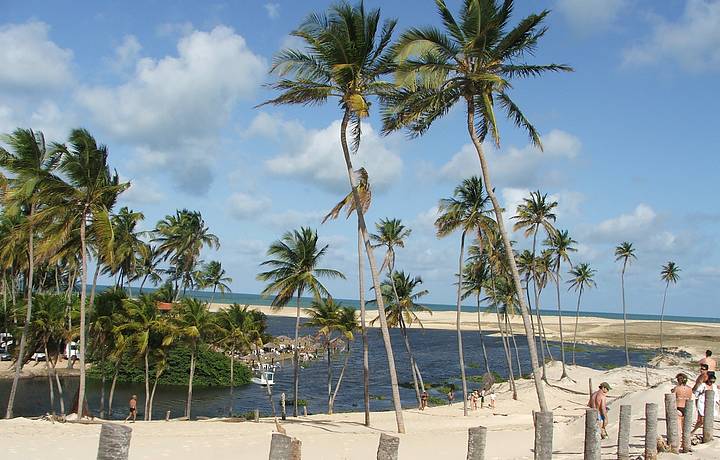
point(37, 356)
point(4, 355)
point(71, 351)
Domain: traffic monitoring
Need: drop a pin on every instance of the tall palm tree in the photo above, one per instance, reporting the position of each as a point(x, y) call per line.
point(242, 328)
point(345, 54)
point(180, 239)
point(148, 267)
point(625, 252)
point(348, 204)
point(561, 245)
point(582, 277)
point(128, 249)
point(475, 276)
point(473, 62)
point(28, 165)
point(392, 233)
point(670, 273)
point(194, 324)
point(48, 326)
point(500, 294)
point(212, 275)
point(293, 271)
point(469, 210)
point(82, 199)
point(334, 323)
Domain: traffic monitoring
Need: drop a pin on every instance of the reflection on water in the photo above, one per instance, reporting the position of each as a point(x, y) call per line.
point(435, 350)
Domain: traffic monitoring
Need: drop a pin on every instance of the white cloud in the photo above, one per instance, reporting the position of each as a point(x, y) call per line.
point(316, 156)
point(171, 29)
point(293, 218)
point(513, 167)
point(142, 191)
point(45, 116)
point(272, 9)
point(588, 16)
point(30, 61)
point(243, 206)
point(691, 41)
point(175, 107)
point(627, 225)
point(126, 53)
point(425, 220)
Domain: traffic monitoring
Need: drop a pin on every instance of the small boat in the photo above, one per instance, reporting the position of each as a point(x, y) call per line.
point(263, 378)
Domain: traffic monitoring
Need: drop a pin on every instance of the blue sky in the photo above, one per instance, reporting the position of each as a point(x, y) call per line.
point(630, 136)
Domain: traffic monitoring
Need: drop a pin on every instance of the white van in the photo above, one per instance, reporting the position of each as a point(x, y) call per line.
point(71, 351)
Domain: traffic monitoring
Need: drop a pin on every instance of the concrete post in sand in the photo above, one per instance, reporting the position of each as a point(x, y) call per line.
point(543, 435)
point(687, 425)
point(114, 442)
point(388, 447)
point(477, 436)
point(708, 416)
point(283, 447)
point(671, 422)
point(590, 387)
point(623, 450)
point(592, 435)
point(167, 416)
point(651, 410)
point(256, 415)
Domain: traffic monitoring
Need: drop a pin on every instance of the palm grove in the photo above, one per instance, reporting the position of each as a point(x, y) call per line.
point(59, 200)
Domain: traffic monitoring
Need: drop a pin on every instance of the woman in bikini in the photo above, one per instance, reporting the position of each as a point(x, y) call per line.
point(682, 394)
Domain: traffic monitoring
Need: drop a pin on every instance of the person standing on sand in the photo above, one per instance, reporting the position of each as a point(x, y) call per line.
point(682, 394)
point(700, 394)
point(451, 396)
point(482, 398)
point(712, 364)
point(133, 409)
point(423, 400)
point(598, 400)
point(492, 399)
point(702, 378)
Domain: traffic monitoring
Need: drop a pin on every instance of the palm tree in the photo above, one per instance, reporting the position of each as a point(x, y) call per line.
point(626, 253)
point(194, 324)
point(128, 249)
point(475, 276)
point(84, 199)
point(48, 326)
point(561, 245)
point(294, 270)
point(212, 275)
point(241, 328)
point(670, 273)
point(542, 273)
point(402, 312)
point(500, 293)
point(474, 62)
point(582, 278)
point(28, 164)
point(147, 267)
point(330, 318)
point(392, 233)
point(345, 55)
point(348, 204)
point(468, 210)
point(181, 237)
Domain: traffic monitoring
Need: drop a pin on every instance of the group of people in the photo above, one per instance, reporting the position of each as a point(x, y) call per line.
point(473, 398)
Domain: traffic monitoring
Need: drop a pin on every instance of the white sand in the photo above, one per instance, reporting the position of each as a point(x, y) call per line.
point(439, 432)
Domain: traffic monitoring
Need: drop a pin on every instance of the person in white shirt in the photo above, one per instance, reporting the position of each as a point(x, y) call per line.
point(700, 394)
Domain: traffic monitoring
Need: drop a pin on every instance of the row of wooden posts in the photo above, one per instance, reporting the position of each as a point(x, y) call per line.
point(115, 438)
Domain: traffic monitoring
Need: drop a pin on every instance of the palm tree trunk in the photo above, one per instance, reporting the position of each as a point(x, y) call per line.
point(232, 380)
point(329, 377)
point(112, 388)
point(506, 348)
point(152, 395)
point(509, 252)
point(57, 381)
point(5, 310)
point(461, 355)
point(340, 378)
point(577, 319)
point(662, 317)
point(83, 289)
point(147, 383)
point(482, 341)
point(143, 283)
point(562, 340)
point(403, 332)
point(296, 358)
point(188, 406)
point(20, 361)
point(102, 391)
point(540, 329)
point(49, 377)
point(91, 302)
point(57, 280)
point(366, 358)
point(515, 347)
point(374, 274)
point(622, 286)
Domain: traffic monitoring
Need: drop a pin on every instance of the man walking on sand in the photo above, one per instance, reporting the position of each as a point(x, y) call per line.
point(598, 400)
point(133, 409)
point(712, 364)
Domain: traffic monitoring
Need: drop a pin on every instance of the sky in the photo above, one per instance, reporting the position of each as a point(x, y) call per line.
point(172, 88)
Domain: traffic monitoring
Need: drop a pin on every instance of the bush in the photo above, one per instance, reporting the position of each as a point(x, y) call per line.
point(211, 369)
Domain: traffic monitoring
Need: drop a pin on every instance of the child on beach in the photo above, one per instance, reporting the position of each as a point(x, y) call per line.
point(133, 409)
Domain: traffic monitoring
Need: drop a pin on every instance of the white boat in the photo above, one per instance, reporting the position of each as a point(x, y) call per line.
point(263, 378)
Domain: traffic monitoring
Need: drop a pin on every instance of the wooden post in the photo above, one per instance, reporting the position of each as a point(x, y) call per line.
point(647, 377)
point(623, 450)
point(114, 442)
point(477, 436)
point(167, 416)
point(283, 447)
point(590, 386)
point(688, 424)
point(708, 416)
point(651, 410)
point(305, 410)
point(257, 415)
point(388, 447)
point(592, 435)
point(671, 422)
point(543, 435)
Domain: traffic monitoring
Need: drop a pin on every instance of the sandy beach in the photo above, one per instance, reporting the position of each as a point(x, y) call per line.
point(439, 431)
